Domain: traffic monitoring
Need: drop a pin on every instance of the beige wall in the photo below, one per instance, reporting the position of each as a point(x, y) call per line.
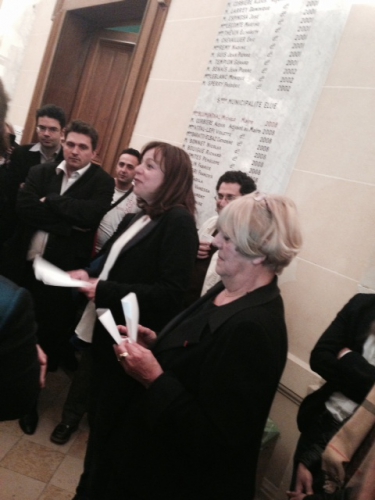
point(178, 70)
point(333, 184)
point(32, 58)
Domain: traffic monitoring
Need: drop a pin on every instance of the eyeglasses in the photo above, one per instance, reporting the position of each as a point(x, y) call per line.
point(226, 197)
point(42, 128)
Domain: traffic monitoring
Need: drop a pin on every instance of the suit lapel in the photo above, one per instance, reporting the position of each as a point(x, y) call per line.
point(56, 180)
point(141, 234)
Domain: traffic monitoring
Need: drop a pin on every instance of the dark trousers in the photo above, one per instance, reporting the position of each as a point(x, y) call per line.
point(77, 401)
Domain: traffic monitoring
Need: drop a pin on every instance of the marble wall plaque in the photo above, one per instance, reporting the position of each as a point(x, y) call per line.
point(264, 77)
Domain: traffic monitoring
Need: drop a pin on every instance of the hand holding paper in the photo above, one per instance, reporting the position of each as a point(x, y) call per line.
point(52, 275)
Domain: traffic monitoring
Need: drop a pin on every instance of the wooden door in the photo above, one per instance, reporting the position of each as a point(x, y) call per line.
point(105, 90)
point(102, 86)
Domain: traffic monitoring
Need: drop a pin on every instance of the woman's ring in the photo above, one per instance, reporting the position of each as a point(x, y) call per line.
point(123, 355)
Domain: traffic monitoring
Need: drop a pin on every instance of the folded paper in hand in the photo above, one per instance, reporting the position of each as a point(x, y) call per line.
point(107, 320)
point(53, 276)
point(131, 313)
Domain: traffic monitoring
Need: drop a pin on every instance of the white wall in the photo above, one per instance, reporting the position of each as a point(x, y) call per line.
point(24, 30)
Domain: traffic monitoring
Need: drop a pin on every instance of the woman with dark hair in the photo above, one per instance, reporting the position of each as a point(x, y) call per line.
point(151, 252)
point(191, 403)
point(152, 255)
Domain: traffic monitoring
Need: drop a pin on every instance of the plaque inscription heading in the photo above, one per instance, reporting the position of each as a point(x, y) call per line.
point(264, 77)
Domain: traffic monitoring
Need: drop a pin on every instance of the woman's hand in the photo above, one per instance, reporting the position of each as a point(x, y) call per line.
point(138, 362)
point(203, 250)
point(146, 337)
point(90, 290)
point(42, 358)
point(79, 274)
point(82, 275)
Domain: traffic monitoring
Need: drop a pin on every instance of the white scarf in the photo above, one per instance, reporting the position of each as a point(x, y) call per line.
point(85, 327)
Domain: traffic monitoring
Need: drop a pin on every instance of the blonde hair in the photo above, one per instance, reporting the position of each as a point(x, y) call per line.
point(263, 225)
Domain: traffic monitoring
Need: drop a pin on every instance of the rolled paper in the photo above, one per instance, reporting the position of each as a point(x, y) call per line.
point(131, 313)
point(107, 320)
point(53, 276)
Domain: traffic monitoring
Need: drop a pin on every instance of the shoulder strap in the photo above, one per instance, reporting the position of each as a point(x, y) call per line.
point(117, 202)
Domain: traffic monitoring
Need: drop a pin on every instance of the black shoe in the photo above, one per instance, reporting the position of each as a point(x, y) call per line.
point(62, 433)
point(29, 422)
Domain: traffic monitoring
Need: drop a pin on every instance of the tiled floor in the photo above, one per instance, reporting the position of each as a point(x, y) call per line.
point(31, 467)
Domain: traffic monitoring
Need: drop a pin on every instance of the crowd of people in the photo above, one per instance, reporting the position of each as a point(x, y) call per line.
point(181, 412)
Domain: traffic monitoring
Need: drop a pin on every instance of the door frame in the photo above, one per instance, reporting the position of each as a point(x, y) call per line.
point(153, 21)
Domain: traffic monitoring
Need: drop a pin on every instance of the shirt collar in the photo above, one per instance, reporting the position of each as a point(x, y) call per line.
point(37, 148)
point(61, 167)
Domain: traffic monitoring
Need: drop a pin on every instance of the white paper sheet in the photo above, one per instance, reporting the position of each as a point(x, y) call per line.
point(107, 320)
point(131, 313)
point(52, 275)
point(206, 238)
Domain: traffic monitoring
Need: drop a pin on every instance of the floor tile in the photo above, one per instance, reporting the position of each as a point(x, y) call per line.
point(7, 441)
point(14, 486)
point(43, 433)
point(11, 427)
point(68, 474)
point(54, 493)
point(33, 468)
point(32, 460)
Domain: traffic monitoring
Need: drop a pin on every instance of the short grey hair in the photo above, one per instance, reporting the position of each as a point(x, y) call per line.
point(263, 225)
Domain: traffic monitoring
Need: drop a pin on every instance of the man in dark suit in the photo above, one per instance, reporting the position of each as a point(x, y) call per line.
point(50, 123)
point(60, 207)
point(19, 366)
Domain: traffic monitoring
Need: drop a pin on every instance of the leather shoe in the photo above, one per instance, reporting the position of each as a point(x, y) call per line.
point(62, 433)
point(29, 422)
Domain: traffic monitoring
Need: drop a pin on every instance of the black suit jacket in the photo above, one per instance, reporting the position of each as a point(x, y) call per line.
point(12, 175)
point(156, 265)
point(22, 159)
point(197, 430)
point(352, 374)
point(19, 366)
point(71, 219)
